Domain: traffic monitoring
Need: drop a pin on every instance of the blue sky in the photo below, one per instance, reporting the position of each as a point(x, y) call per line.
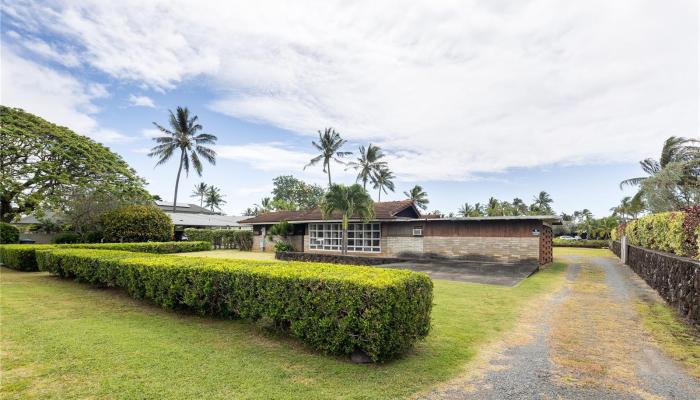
point(470, 100)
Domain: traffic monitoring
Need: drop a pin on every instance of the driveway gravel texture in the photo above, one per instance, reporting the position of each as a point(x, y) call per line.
point(585, 341)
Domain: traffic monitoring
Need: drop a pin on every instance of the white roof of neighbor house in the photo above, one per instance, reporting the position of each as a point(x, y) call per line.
point(190, 219)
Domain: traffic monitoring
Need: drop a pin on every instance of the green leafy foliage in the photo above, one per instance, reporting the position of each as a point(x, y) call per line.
point(336, 309)
point(223, 238)
point(66, 237)
point(281, 246)
point(42, 163)
point(290, 193)
point(137, 223)
point(22, 257)
point(8, 233)
point(592, 244)
point(663, 232)
point(282, 228)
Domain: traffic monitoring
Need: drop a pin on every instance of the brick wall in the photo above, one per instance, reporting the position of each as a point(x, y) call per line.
point(489, 249)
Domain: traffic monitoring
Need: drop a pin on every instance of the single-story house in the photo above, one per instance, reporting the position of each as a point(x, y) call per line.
point(399, 230)
point(188, 215)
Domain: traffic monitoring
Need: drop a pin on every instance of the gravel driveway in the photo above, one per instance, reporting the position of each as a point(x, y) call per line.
point(584, 342)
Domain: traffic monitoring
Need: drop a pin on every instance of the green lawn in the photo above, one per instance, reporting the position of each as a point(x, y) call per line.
point(67, 340)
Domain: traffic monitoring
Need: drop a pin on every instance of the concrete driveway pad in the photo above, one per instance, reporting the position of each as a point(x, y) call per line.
point(470, 271)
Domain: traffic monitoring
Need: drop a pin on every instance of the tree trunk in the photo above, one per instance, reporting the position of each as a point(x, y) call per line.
point(380, 194)
point(177, 180)
point(328, 166)
point(344, 240)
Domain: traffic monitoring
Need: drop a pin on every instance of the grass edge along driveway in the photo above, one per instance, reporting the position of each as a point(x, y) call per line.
point(69, 340)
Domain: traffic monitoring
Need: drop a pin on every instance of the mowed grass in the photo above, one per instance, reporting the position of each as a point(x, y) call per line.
point(235, 254)
point(63, 339)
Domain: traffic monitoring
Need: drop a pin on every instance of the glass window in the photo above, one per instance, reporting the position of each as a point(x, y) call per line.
point(361, 237)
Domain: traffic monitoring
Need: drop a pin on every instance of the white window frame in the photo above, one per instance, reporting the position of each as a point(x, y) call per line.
point(417, 231)
point(362, 238)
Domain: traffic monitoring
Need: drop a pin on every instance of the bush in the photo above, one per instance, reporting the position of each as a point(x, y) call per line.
point(223, 238)
point(66, 237)
point(663, 232)
point(593, 244)
point(137, 223)
point(336, 309)
point(8, 233)
point(22, 256)
point(281, 246)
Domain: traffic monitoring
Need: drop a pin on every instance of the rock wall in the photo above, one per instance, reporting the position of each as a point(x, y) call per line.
point(676, 279)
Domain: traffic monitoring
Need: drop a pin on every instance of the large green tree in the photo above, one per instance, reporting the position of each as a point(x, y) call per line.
point(42, 164)
point(290, 193)
point(352, 202)
point(329, 144)
point(183, 137)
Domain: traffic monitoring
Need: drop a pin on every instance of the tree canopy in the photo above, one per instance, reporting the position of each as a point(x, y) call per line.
point(290, 193)
point(43, 163)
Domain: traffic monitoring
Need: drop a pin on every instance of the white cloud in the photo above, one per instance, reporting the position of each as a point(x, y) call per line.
point(151, 133)
point(141, 150)
point(54, 96)
point(265, 156)
point(141, 101)
point(453, 89)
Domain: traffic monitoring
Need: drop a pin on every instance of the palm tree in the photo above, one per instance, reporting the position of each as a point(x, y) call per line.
point(465, 210)
point(214, 199)
point(519, 206)
point(329, 143)
point(542, 203)
point(368, 163)
point(350, 201)
point(493, 207)
point(419, 197)
point(200, 191)
point(383, 180)
point(675, 149)
point(183, 136)
point(265, 205)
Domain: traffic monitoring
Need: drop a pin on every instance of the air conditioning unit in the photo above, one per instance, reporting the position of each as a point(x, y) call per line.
point(417, 231)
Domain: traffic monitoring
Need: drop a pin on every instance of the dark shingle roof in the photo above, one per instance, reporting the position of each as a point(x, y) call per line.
point(382, 211)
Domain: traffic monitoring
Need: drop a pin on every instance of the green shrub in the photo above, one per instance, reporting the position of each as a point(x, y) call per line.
point(66, 237)
point(593, 244)
point(223, 238)
point(336, 309)
point(281, 246)
point(137, 223)
point(22, 256)
point(8, 233)
point(662, 231)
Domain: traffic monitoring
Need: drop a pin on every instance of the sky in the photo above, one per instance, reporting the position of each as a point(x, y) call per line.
point(470, 99)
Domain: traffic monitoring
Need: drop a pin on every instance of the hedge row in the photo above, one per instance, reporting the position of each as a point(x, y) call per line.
point(676, 232)
point(336, 309)
point(22, 256)
point(593, 244)
point(223, 238)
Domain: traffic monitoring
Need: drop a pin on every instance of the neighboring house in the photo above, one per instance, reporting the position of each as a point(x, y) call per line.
point(193, 216)
point(186, 208)
point(399, 230)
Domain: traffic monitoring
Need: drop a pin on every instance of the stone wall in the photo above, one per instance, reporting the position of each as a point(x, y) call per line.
point(676, 279)
point(335, 258)
point(296, 240)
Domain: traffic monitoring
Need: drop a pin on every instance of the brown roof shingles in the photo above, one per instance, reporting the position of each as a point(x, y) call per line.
point(383, 210)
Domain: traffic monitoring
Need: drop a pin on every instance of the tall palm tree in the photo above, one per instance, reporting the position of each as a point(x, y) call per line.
point(542, 203)
point(519, 206)
point(419, 197)
point(265, 205)
point(383, 179)
point(493, 207)
point(183, 136)
point(675, 149)
point(213, 198)
point(200, 191)
point(367, 163)
point(329, 144)
point(350, 201)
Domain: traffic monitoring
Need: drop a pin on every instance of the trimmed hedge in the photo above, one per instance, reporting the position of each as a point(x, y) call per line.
point(223, 238)
point(137, 223)
point(336, 309)
point(593, 244)
point(21, 256)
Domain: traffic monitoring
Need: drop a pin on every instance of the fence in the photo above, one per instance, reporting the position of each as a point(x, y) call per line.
point(676, 279)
